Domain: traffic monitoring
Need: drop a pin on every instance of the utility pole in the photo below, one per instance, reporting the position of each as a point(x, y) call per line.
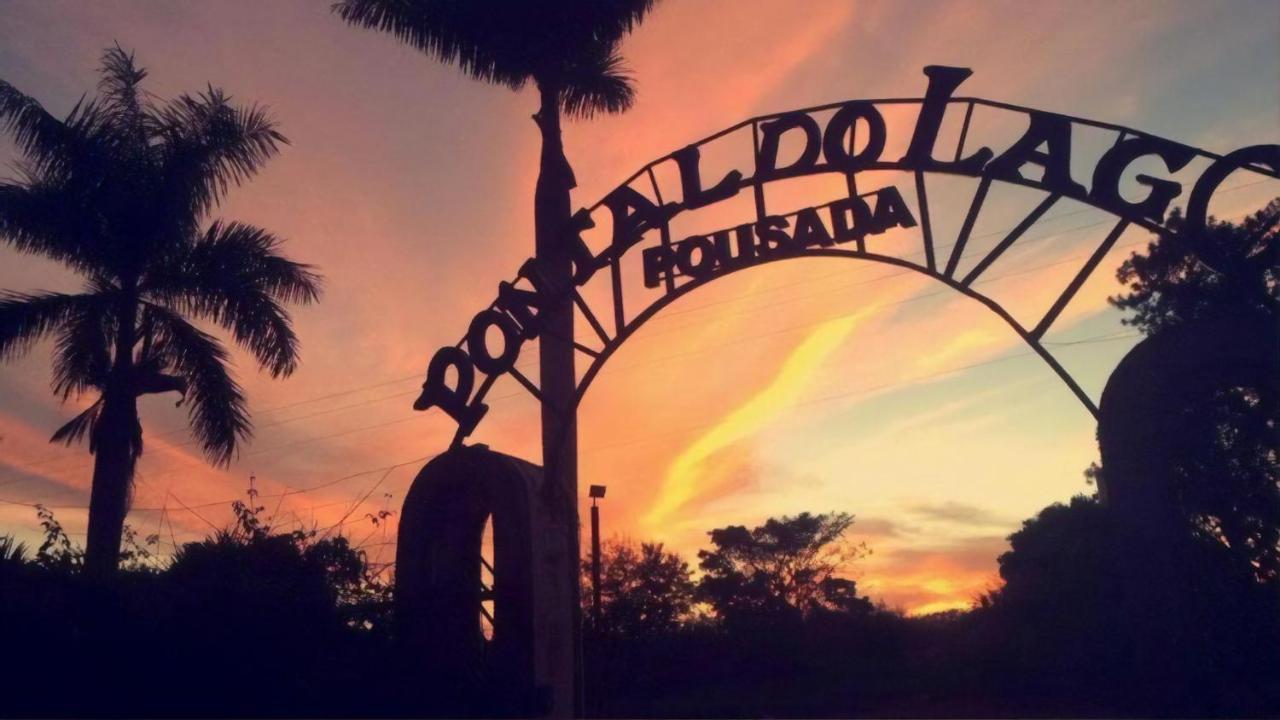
point(597, 492)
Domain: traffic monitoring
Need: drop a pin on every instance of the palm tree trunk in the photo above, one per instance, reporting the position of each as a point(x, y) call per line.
point(117, 443)
point(113, 467)
point(557, 383)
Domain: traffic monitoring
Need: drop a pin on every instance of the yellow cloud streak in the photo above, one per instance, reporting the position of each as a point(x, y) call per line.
point(681, 484)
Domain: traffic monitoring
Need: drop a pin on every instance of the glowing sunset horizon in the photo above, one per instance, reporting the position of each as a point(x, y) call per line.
point(809, 385)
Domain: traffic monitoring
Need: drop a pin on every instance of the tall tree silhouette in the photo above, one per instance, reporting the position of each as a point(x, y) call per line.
point(1224, 465)
point(569, 50)
point(645, 589)
point(786, 566)
point(118, 191)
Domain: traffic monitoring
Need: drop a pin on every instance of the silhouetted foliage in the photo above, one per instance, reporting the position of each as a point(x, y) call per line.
point(1226, 464)
point(570, 50)
point(787, 565)
point(569, 46)
point(119, 191)
point(13, 560)
point(644, 589)
point(313, 574)
point(249, 622)
point(1092, 617)
point(1173, 284)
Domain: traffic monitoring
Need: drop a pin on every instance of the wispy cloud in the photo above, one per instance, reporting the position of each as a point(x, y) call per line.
point(684, 480)
point(960, 514)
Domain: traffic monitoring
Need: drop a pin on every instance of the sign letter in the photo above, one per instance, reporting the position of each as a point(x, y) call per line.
point(943, 81)
point(691, 181)
point(477, 344)
point(1106, 177)
point(453, 400)
point(837, 150)
point(633, 214)
point(767, 164)
point(1053, 131)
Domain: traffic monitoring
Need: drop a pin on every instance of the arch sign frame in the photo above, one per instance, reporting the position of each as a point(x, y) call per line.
point(680, 266)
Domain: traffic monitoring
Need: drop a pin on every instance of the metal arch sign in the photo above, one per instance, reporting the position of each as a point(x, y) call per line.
point(844, 228)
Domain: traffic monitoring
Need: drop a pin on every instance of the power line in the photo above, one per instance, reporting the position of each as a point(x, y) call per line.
point(867, 389)
point(357, 503)
point(665, 315)
point(192, 508)
point(793, 328)
point(659, 359)
point(386, 470)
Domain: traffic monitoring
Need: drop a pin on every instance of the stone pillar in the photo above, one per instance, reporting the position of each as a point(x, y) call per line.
point(527, 669)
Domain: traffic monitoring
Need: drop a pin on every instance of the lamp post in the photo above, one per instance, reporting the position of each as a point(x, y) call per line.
point(596, 493)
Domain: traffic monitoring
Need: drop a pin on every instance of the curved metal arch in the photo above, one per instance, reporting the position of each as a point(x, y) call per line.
point(1122, 132)
point(467, 408)
point(654, 308)
point(960, 101)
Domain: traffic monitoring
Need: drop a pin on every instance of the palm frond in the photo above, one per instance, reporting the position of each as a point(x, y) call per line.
point(471, 35)
point(49, 144)
point(36, 133)
point(497, 41)
point(598, 82)
point(82, 356)
point(26, 318)
point(210, 146)
point(12, 551)
point(124, 99)
point(602, 22)
point(80, 425)
point(216, 403)
point(234, 276)
point(38, 217)
point(510, 43)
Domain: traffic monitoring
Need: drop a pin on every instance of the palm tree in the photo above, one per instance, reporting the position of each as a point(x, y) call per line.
point(569, 50)
point(119, 191)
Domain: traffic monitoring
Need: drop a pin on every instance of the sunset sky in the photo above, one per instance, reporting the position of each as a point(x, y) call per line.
point(807, 385)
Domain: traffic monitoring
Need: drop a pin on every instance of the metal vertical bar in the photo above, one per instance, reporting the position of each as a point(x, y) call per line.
point(527, 383)
point(1078, 280)
point(757, 185)
point(592, 320)
point(926, 225)
point(666, 224)
point(1010, 239)
point(615, 277)
point(851, 176)
point(978, 198)
point(964, 132)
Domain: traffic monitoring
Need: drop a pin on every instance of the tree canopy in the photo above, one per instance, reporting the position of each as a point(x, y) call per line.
point(644, 589)
point(120, 191)
point(569, 46)
point(786, 566)
point(1225, 466)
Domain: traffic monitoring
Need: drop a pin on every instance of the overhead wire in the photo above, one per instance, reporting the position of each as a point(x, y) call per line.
point(659, 359)
point(667, 314)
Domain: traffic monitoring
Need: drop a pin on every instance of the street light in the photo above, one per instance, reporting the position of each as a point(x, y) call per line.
point(596, 492)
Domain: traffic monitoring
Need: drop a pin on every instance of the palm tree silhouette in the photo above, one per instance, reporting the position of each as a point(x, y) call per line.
point(569, 49)
point(118, 191)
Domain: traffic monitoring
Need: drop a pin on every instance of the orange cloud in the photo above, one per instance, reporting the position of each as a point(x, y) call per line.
point(683, 481)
